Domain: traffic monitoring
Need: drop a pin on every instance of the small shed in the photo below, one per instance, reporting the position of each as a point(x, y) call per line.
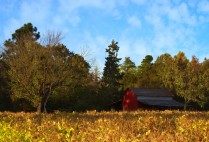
point(135, 98)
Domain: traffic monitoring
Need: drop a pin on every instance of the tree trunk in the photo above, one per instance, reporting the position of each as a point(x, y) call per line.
point(39, 108)
point(42, 105)
point(185, 106)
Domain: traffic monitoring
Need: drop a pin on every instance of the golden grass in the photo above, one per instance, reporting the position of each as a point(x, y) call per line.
point(139, 126)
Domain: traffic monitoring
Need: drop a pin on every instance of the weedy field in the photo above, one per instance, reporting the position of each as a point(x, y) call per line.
point(152, 126)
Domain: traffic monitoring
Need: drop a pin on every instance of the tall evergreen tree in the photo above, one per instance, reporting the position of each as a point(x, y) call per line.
point(111, 75)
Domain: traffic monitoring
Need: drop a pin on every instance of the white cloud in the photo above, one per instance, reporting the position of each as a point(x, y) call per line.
point(179, 14)
point(203, 6)
point(168, 26)
point(69, 10)
point(35, 11)
point(74, 20)
point(70, 6)
point(125, 48)
point(57, 20)
point(12, 25)
point(139, 2)
point(170, 32)
point(7, 6)
point(134, 21)
point(173, 28)
point(136, 49)
point(185, 15)
point(96, 45)
point(141, 48)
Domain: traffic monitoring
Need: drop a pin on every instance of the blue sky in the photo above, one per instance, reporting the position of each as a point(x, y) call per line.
point(141, 27)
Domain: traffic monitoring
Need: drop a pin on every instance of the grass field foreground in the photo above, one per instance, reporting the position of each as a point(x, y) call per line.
point(156, 126)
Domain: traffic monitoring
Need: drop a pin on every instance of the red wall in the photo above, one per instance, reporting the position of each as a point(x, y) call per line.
point(130, 100)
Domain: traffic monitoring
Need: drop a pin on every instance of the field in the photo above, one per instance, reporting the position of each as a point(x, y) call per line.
point(95, 126)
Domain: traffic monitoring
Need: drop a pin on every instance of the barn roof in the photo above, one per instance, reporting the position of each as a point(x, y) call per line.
point(151, 92)
point(166, 103)
point(156, 97)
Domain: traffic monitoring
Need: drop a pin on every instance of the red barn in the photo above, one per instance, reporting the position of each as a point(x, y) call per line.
point(130, 100)
point(135, 98)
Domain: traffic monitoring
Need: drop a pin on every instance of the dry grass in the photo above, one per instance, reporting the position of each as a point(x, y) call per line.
point(156, 126)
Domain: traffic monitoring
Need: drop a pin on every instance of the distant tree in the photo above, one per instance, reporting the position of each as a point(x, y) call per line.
point(111, 74)
point(147, 73)
point(204, 81)
point(127, 65)
point(129, 73)
point(147, 61)
point(78, 72)
point(164, 69)
point(205, 64)
point(96, 75)
point(195, 83)
point(5, 101)
point(26, 33)
point(76, 84)
point(181, 74)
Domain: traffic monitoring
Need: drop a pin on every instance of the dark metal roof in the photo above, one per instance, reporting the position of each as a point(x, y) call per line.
point(151, 92)
point(156, 97)
point(167, 103)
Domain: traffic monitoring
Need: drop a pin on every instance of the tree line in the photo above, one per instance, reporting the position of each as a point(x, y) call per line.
point(187, 80)
point(41, 74)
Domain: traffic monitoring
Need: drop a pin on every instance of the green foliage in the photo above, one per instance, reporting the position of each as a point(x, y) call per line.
point(34, 73)
point(129, 72)
point(182, 77)
point(146, 62)
point(127, 65)
point(111, 75)
point(37, 70)
point(195, 87)
point(165, 73)
point(5, 100)
point(204, 82)
point(147, 74)
point(22, 35)
point(27, 31)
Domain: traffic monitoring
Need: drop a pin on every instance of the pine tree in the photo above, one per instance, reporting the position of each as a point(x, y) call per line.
point(111, 74)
